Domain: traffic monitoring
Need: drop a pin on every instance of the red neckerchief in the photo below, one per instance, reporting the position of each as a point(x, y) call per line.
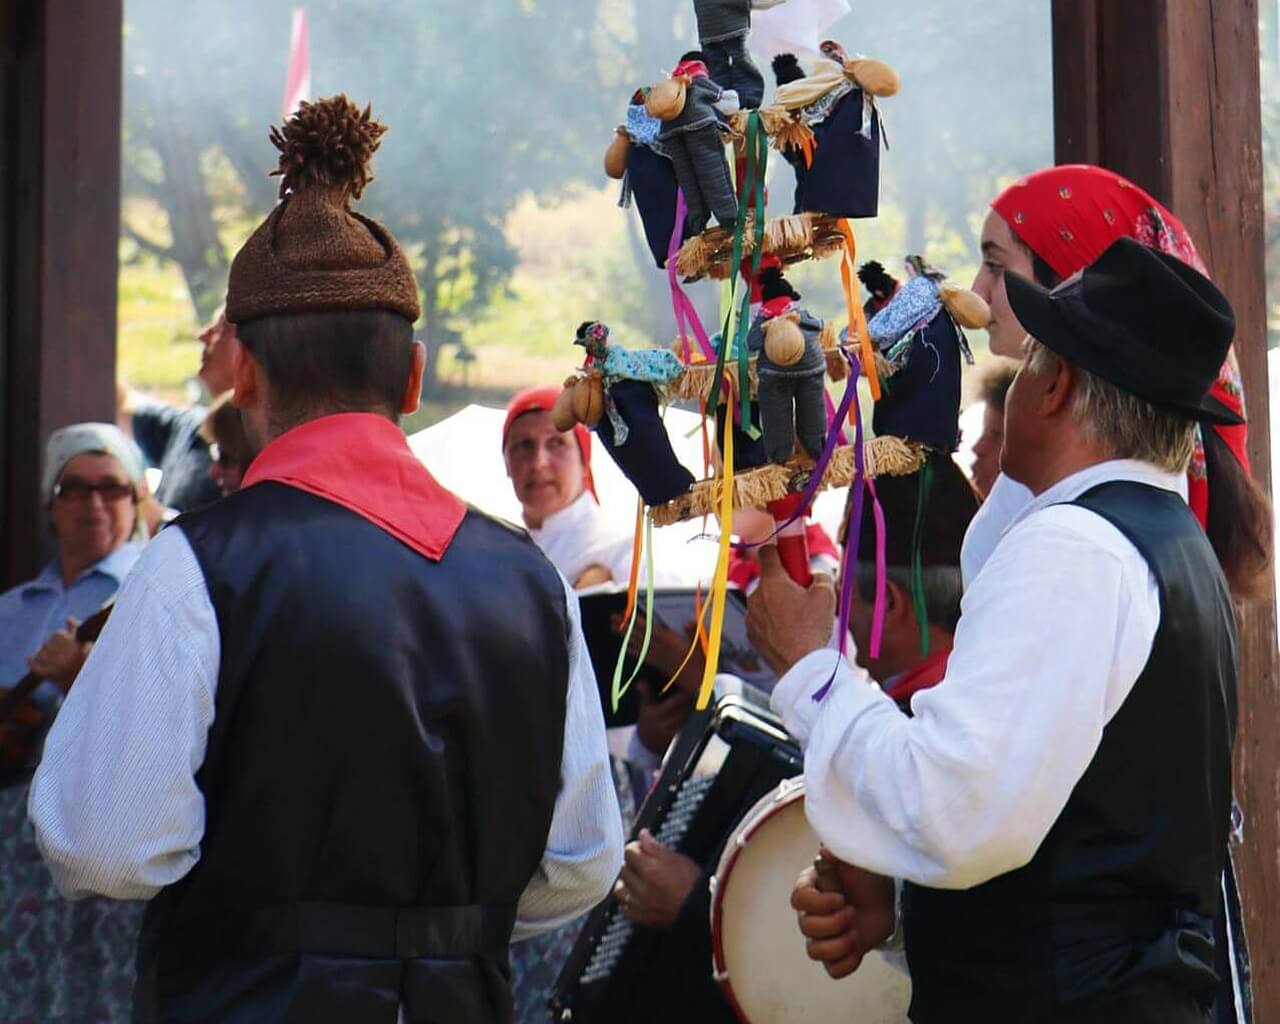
point(927, 673)
point(692, 68)
point(777, 307)
point(362, 462)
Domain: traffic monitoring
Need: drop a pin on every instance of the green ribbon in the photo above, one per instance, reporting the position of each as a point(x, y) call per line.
point(917, 560)
point(752, 186)
point(619, 688)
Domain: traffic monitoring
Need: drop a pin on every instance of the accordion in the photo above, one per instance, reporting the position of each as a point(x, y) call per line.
point(725, 759)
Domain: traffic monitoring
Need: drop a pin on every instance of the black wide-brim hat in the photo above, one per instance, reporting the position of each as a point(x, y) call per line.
point(1140, 319)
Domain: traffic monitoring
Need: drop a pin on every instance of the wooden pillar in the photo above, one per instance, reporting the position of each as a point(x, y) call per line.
point(60, 78)
point(1167, 93)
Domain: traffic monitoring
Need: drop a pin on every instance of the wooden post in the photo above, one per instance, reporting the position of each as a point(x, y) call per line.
point(1176, 107)
point(60, 80)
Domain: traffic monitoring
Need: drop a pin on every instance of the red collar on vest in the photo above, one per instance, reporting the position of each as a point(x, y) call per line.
point(692, 68)
point(926, 674)
point(363, 463)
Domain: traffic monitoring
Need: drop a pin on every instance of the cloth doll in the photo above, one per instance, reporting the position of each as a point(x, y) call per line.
point(692, 140)
point(631, 427)
point(881, 286)
point(648, 177)
point(918, 337)
point(723, 27)
point(791, 369)
point(837, 101)
point(786, 69)
point(748, 452)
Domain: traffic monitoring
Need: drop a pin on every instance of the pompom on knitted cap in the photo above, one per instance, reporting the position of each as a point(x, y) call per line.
point(313, 253)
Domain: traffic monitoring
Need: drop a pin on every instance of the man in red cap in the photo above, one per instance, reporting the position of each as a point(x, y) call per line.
point(551, 473)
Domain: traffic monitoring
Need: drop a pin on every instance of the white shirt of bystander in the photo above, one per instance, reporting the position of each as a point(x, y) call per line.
point(581, 535)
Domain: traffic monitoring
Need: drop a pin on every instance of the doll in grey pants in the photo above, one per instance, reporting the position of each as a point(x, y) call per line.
point(692, 140)
point(723, 27)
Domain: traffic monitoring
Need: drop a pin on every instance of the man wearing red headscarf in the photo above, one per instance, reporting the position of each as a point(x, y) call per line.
point(551, 473)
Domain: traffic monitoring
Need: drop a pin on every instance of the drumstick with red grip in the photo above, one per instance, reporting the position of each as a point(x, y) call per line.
point(793, 543)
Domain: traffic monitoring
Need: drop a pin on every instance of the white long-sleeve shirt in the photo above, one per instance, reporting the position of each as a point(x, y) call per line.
point(115, 804)
point(1001, 509)
point(1054, 631)
point(581, 535)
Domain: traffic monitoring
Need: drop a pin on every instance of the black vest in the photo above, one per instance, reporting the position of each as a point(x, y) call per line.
point(380, 775)
point(1120, 896)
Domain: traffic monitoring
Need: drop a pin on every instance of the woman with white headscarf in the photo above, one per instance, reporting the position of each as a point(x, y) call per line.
point(66, 961)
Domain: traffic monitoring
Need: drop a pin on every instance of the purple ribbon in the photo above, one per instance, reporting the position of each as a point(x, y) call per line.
point(835, 438)
point(853, 534)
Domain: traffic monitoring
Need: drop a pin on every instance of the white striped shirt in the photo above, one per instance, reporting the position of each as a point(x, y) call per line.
point(115, 804)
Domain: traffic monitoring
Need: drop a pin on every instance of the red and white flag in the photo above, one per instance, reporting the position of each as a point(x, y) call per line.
point(297, 84)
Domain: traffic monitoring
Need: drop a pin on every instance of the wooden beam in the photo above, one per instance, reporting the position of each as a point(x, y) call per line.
point(1215, 172)
point(1178, 110)
point(1077, 110)
point(61, 236)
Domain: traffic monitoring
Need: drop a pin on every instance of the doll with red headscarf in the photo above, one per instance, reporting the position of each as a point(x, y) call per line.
point(690, 134)
point(1053, 223)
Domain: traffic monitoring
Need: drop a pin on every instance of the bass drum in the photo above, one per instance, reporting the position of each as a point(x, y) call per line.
point(757, 950)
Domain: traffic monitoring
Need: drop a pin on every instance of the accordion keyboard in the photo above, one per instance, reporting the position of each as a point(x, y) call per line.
point(617, 933)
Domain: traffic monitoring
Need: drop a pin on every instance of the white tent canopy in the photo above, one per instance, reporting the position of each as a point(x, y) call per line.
point(464, 452)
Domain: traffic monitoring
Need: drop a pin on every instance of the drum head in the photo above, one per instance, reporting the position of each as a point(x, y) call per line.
point(759, 949)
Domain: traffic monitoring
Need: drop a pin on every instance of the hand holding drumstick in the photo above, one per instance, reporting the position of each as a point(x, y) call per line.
point(844, 913)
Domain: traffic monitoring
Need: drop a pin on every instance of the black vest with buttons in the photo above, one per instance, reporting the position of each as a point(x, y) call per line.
point(1120, 896)
point(380, 775)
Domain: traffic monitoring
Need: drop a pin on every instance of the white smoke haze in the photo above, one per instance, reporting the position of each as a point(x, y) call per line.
point(499, 113)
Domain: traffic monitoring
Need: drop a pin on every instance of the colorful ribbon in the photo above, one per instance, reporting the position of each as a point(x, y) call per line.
point(686, 313)
point(853, 301)
point(619, 688)
point(720, 582)
point(835, 438)
point(853, 534)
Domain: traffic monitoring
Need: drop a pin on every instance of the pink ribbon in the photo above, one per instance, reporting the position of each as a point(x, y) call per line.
point(687, 318)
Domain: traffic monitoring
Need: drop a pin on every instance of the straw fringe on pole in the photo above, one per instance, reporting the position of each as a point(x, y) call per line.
point(885, 456)
point(696, 380)
point(804, 236)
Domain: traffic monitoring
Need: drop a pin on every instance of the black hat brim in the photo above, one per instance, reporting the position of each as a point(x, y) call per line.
point(1041, 317)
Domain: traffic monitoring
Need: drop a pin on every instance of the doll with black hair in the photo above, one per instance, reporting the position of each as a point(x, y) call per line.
point(791, 369)
point(881, 286)
point(631, 427)
point(835, 97)
point(787, 69)
point(920, 347)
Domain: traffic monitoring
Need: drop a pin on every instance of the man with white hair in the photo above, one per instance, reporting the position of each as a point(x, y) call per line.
point(1059, 806)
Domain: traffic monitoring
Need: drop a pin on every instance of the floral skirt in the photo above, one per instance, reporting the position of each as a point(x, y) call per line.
point(61, 961)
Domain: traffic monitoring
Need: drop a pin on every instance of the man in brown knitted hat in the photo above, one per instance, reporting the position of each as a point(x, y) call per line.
point(343, 730)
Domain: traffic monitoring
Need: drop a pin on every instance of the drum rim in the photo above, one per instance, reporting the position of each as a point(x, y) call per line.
point(772, 803)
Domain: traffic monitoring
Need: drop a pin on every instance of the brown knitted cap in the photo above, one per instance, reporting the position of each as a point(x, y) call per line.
point(314, 254)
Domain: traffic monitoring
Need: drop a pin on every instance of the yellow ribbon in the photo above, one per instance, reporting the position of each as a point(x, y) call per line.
point(721, 579)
